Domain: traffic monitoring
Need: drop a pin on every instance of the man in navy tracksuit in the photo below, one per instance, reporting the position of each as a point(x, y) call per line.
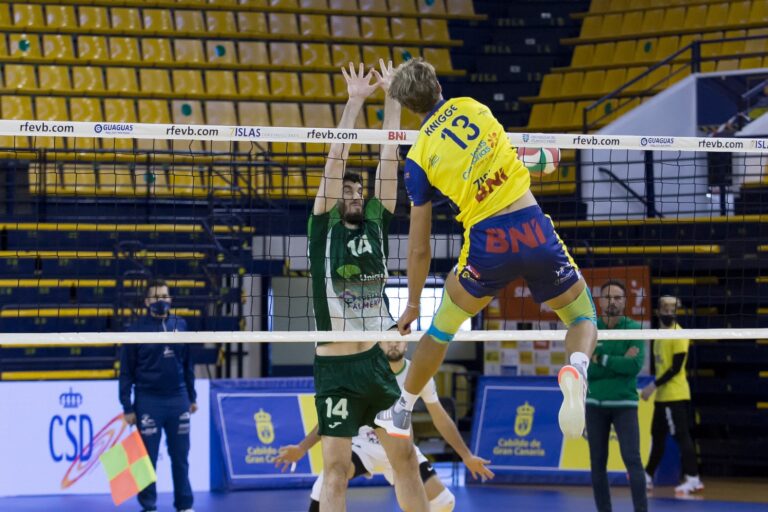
point(163, 382)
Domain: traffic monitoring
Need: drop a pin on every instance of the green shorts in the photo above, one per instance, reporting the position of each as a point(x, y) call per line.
point(350, 390)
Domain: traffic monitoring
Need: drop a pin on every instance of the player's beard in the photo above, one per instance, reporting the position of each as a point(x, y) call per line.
point(394, 355)
point(351, 217)
point(612, 311)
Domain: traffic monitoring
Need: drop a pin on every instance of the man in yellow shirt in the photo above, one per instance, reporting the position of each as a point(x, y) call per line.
point(672, 402)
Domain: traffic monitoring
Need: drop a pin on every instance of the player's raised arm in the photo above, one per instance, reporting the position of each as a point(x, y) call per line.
point(359, 87)
point(419, 259)
point(386, 174)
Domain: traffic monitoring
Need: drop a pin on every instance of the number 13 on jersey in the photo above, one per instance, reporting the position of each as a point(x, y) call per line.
point(469, 131)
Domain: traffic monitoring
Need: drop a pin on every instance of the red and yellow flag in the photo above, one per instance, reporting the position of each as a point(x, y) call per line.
point(128, 468)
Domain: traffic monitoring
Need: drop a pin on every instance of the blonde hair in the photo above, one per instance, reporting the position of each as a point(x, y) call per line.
point(415, 86)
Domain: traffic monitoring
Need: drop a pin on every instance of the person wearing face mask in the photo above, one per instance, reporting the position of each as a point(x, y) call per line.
point(672, 402)
point(161, 377)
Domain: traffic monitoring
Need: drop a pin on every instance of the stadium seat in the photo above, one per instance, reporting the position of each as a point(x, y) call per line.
point(593, 82)
point(288, 4)
point(187, 112)
point(438, 57)
point(316, 85)
point(188, 50)
point(404, 28)
point(77, 179)
point(733, 48)
point(717, 14)
point(89, 17)
point(727, 65)
point(222, 22)
point(750, 63)
point(343, 54)
point(591, 27)
point(633, 73)
point(155, 80)
point(190, 182)
point(374, 115)
point(154, 111)
point(188, 21)
point(116, 181)
point(658, 78)
point(674, 18)
point(220, 82)
point(20, 77)
point(251, 113)
point(253, 83)
point(315, 54)
point(126, 18)
point(652, 20)
point(714, 48)
point(612, 24)
point(285, 114)
point(86, 110)
point(157, 20)
point(756, 45)
point(343, 5)
point(344, 27)
point(372, 54)
point(5, 16)
point(313, 25)
point(187, 81)
point(402, 6)
point(614, 78)
point(252, 23)
point(373, 5)
point(60, 16)
point(624, 52)
point(572, 83)
point(24, 45)
point(562, 113)
point(124, 49)
point(284, 54)
point(92, 48)
point(759, 11)
point(632, 22)
point(434, 30)
point(282, 23)
point(402, 54)
point(582, 55)
point(313, 4)
point(464, 7)
point(646, 49)
point(122, 80)
point(433, 7)
point(119, 111)
point(50, 109)
point(317, 115)
point(87, 78)
point(220, 113)
point(156, 50)
point(53, 78)
point(550, 85)
point(284, 84)
point(27, 15)
point(667, 46)
point(374, 28)
point(221, 52)
point(339, 86)
point(410, 120)
point(695, 17)
point(603, 53)
point(252, 52)
point(16, 107)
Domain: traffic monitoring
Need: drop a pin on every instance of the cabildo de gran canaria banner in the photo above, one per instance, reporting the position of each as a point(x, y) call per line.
point(515, 427)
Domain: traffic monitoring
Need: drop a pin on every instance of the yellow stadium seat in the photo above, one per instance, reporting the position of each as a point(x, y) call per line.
point(16, 107)
point(24, 45)
point(343, 5)
point(464, 7)
point(434, 30)
point(154, 111)
point(540, 115)
point(402, 54)
point(343, 54)
point(222, 22)
point(285, 114)
point(339, 86)
point(756, 45)
point(87, 78)
point(612, 24)
point(373, 5)
point(315, 54)
point(284, 84)
point(284, 54)
point(695, 16)
point(119, 110)
point(658, 79)
point(252, 23)
point(156, 50)
point(187, 81)
point(624, 52)
point(124, 49)
point(60, 16)
point(5, 16)
point(652, 20)
point(288, 4)
point(92, 17)
point(188, 182)
point(156, 81)
point(220, 113)
point(282, 23)
point(313, 4)
point(750, 62)
point(79, 179)
point(122, 80)
point(220, 82)
point(593, 82)
point(252, 52)
point(578, 113)
point(717, 14)
point(674, 18)
point(438, 57)
point(614, 78)
point(591, 26)
point(572, 83)
point(582, 55)
point(126, 18)
point(372, 54)
point(632, 22)
point(667, 46)
point(54, 78)
point(551, 85)
point(317, 85)
point(759, 11)
point(313, 25)
point(727, 65)
point(402, 6)
point(714, 48)
point(92, 48)
point(188, 50)
point(562, 113)
point(50, 109)
point(733, 48)
point(157, 20)
point(116, 181)
point(20, 77)
point(221, 52)
point(251, 113)
point(3, 47)
point(374, 28)
point(633, 73)
point(86, 109)
point(189, 21)
point(253, 83)
point(317, 115)
point(187, 112)
point(432, 7)
point(404, 28)
point(58, 47)
point(28, 15)
point(604, 53)
point(344, 26)
point(646, 49)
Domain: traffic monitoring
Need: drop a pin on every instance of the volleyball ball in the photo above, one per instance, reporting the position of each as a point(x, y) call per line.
point(544, 160)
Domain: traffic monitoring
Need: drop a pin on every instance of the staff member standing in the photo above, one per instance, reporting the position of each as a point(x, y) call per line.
point(612, 400)
point(672, 402)
point(162, 379)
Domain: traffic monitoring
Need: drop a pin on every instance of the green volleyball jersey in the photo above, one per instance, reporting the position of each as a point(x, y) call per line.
point(349, 270)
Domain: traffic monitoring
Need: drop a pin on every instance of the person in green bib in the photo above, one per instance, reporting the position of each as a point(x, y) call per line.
point(348, 253)
point(612, 400)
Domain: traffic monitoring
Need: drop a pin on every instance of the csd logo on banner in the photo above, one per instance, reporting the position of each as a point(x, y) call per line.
point(524, 419)
point(70, 435)
point(264, 427)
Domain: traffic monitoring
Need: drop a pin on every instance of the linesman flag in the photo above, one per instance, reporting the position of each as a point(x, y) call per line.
point(128, 468)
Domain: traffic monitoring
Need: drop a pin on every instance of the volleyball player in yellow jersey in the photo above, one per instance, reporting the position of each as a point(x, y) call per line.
point(463, 152)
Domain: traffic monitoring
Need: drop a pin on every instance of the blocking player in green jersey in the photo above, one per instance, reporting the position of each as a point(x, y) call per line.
point(348, 261)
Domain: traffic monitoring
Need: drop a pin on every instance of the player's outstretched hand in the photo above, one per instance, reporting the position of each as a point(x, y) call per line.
point(359, 84)
point(476, 467)
point(384, 79)
point(406, 319)
point(288, 455)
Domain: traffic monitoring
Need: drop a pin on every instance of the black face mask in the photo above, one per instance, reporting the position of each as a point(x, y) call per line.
point(667, 319)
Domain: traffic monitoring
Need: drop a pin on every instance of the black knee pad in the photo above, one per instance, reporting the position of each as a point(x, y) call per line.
point(426, 471)
point(359, 467)
point(314, 506)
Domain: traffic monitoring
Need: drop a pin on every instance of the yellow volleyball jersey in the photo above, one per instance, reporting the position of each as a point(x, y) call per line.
point(463, 152)
point(677, 388)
